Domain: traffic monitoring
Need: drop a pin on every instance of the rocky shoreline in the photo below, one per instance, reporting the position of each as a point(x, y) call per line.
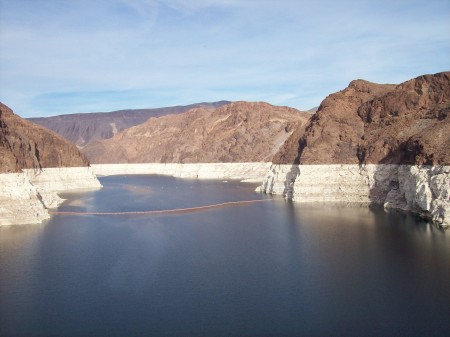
point(369, 143)
point(19, 201)
point(247, 172)
point(26, 196)
point(424, 190)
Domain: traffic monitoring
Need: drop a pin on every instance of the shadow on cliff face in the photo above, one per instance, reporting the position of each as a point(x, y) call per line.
point(294, 171)
point(385, 176)
point(289, 181)
point(385, 181)
point(301, 147)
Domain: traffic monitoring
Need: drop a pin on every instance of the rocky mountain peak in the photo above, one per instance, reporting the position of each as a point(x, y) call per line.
point(377, 123)
point(362, 86)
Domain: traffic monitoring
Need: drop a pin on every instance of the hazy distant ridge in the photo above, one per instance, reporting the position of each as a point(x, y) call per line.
point(83, 128)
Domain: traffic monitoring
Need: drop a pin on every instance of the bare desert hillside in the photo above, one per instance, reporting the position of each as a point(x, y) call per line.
point(84, 128)
point(237, 132)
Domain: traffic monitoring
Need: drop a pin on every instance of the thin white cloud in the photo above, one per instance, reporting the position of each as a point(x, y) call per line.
point(285, 52)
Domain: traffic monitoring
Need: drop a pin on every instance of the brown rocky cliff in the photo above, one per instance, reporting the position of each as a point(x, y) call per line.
point(26, 145)
point(333, 132)
point(374, 123)
point(238, 132)
point(409, 125)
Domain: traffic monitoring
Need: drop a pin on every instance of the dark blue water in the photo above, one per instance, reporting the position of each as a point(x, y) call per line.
point(266, 269)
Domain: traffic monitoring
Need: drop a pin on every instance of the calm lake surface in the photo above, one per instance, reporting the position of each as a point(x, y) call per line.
point(265, 269)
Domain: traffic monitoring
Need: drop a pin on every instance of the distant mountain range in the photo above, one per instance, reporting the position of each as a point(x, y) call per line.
point(236, 132)
point(366, 122)
point(84, 128)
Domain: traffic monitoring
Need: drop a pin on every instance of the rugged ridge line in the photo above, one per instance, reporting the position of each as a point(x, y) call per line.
point(331, 136)
point(83, 128)
point(377, 123)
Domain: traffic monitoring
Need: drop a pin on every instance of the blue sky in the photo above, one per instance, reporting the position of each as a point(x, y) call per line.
point(68, 56)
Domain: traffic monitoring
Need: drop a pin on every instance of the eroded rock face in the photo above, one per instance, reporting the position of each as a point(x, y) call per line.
point(373, 123)
point(19, 201)
point(409, 125)
point(238, 132)
point(24, 145)
point(424, 190)
point(332, 135)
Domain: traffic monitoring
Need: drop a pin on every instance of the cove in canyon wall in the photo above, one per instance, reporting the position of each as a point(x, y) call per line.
point(372, 143)
point(36, 164)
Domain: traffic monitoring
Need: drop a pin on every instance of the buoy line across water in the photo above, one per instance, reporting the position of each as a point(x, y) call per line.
point(176, 210)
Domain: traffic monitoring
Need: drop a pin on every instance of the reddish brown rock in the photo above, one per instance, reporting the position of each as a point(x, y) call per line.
point(26, 145)
point(288, 152)
point(238, 132)
point(374, 123)
point(333, 133)
point(84, 128)
point(409, 125)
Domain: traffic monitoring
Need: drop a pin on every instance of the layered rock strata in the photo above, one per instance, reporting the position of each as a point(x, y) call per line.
point(372, 143)
point(35, 164)
point(248, 172)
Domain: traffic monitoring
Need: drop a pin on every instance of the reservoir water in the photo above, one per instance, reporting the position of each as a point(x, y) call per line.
point(264, 269)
